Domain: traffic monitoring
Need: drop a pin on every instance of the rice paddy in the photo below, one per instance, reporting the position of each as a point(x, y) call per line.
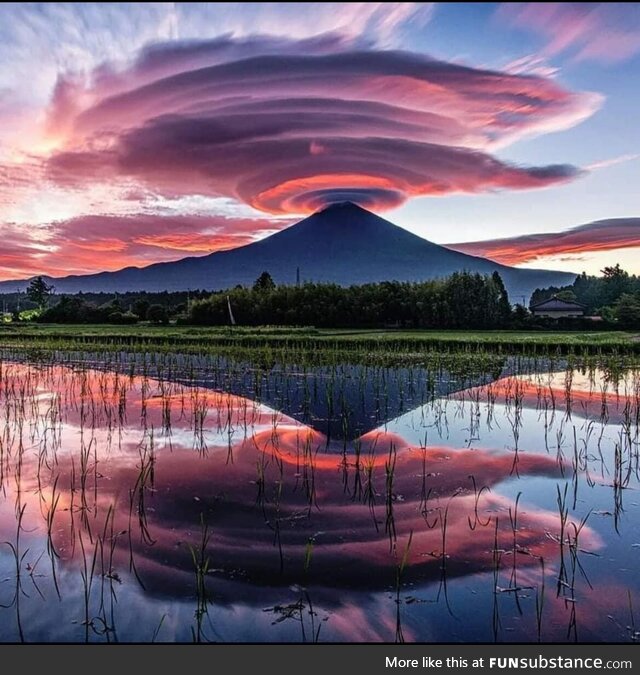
point(264, 494)
point(293, 342)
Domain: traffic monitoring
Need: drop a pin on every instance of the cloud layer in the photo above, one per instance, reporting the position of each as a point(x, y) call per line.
point(287, 126)
point(601, 235)
point(589, 31)
point(275, 110)
point(73, 246)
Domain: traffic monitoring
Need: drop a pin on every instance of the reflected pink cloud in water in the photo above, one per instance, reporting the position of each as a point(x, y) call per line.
point(141, 463)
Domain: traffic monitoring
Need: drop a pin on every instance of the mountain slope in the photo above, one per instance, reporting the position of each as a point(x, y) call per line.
point(343, 243)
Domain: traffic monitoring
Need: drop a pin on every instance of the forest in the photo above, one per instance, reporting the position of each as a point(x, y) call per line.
point(462, 300)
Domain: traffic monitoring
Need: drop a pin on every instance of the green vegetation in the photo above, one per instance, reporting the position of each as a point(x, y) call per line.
point(74, 309)
point(39, 292)
point(615, 295)
point(96, 307)
point(117, 491)
point(158, 314)
point(264, 282)
point(462, 300)
point(627, 310)
point(16, 315)
point(367, 345)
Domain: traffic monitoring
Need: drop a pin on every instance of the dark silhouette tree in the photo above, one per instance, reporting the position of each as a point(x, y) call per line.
point(158, 314)
point(520, 316)
point(567, 295)
point(264, 282)
point(616, 282)
point(504, 306)
point(627, 311)
point(39, 291)
point(614, 273)
point(141, 307)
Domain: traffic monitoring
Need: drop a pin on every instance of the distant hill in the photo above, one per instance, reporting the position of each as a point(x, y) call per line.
point(343, 244)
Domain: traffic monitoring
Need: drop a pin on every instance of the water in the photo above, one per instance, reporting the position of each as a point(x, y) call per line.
point(226, 502)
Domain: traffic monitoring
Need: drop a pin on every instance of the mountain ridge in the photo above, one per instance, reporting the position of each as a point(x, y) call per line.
point(342, 243)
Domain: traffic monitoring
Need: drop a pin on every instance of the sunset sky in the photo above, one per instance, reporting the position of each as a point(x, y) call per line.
point(138, 133)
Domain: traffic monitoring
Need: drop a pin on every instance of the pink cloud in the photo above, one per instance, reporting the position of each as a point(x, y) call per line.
point(87, 243)
point(287, 126)
point(351, 553)
point(590, 31)
point(601, 235)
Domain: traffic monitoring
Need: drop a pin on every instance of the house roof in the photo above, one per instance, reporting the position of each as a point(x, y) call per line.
point(557, 304)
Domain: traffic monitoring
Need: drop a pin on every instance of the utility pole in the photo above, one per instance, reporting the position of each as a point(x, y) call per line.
point(298, 277)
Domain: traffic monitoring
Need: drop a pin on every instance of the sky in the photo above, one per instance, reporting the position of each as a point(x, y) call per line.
point(136, 133)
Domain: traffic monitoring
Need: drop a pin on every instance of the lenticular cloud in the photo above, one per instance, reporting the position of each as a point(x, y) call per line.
point(290, 126)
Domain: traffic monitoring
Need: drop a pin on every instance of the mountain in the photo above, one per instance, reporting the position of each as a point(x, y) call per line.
point(342, 243)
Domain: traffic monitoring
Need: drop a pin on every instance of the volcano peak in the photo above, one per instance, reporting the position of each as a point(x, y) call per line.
point(342, 243)
point(343, 206)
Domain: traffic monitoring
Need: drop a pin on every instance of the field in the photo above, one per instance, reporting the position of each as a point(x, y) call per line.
point(163, 484)
point(404, 343)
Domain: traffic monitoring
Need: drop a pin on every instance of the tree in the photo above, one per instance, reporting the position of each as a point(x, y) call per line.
point(158, 314)
point(504, 306)
point(614, 273)
point(627, 311)
point(264, 282)
point(567, 295)
point(616, 282)
point(39, 291)
point(520, 316)
point(141, 307)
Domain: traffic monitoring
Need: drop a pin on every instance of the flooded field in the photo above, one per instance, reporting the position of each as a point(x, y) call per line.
point(154, 498)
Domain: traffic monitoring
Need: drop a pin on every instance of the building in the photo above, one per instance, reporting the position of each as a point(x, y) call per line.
point(557, 308)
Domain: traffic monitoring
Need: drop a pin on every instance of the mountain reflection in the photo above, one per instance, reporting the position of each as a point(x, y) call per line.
point(268, 488)
point(152, 472)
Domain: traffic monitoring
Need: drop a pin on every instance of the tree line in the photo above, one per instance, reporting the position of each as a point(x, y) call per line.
point(463, 300)
point(116, 308)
